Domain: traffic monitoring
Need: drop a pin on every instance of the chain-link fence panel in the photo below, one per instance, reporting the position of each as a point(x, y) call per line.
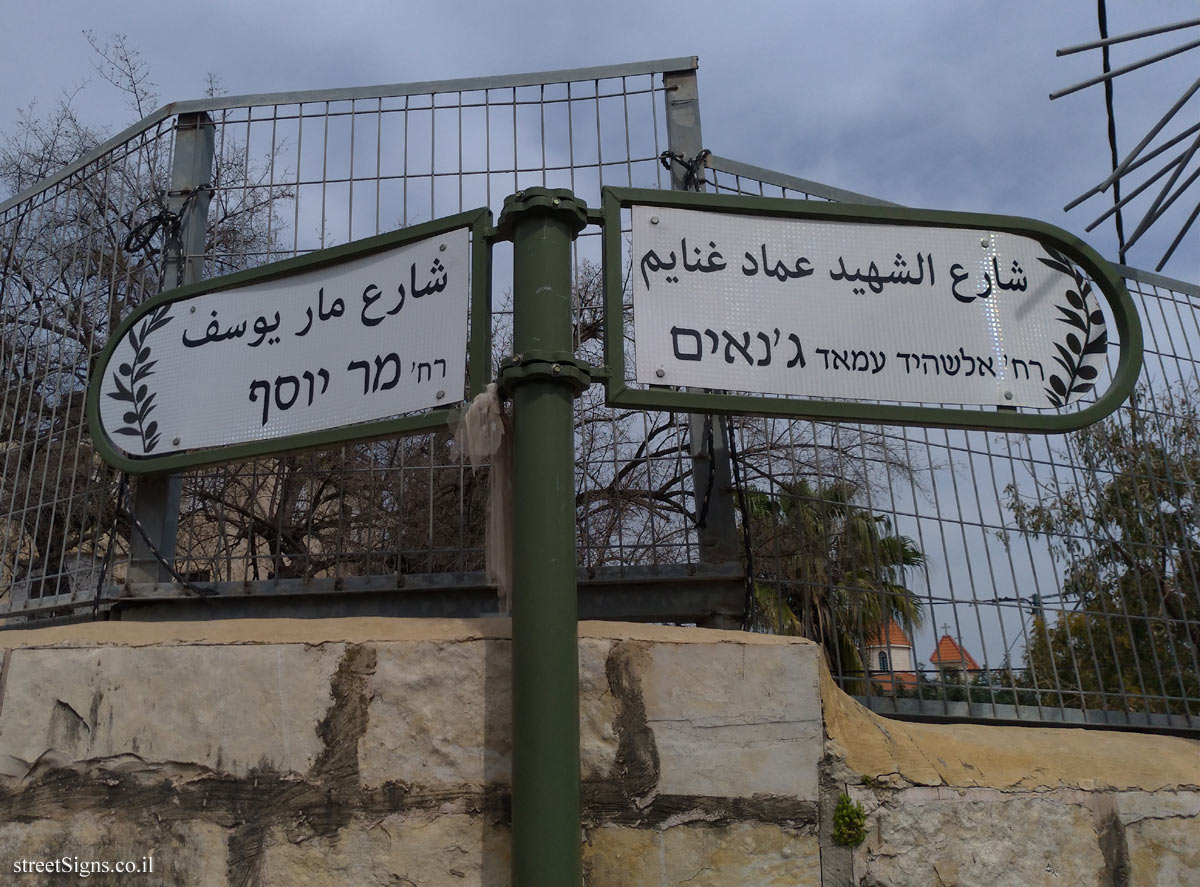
point(291, 174)
point(971, 574)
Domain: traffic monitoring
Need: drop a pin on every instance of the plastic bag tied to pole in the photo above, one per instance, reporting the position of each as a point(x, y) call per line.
point(485, 435)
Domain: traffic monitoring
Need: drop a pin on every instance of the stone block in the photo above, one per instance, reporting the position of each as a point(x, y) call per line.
point(733, 720)
point(184, 853)
point(229, 708)
point(1135, 806)
point(1023, 842)
point(597, 710)
point(743, 853)
point(429, 850)
point(440, 714)
point(616, 856)
point(1164, 852)
point(701, 856)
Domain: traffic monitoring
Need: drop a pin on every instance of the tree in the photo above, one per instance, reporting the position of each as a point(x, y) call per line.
point(78, 259)
point(73, 261)
point(634, 469)
point(1126, 523)
point(64, 282)
point(830, 570)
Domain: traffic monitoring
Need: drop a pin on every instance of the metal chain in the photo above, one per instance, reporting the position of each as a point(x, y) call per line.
point(693, 176)
point(140, 235)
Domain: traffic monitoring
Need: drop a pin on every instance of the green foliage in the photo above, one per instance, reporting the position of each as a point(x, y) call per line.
point(849, 822)
point(1002, 686)
point(1127, 526)
point(831, 570)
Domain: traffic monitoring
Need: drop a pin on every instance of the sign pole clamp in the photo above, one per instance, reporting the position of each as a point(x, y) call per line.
point(547, 366)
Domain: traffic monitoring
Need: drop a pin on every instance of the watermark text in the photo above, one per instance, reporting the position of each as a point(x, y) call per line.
point(84, 867)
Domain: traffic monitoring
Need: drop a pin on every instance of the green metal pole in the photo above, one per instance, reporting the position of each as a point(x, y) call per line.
point(543, 379)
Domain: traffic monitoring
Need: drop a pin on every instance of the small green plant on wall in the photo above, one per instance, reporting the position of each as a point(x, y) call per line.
point(849, 822)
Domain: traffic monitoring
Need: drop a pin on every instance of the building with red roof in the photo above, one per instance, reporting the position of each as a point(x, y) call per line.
point(951, 658)
point(889, 657)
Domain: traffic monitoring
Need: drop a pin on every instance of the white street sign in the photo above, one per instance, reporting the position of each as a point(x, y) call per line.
point(856, 311)
point(371, 338)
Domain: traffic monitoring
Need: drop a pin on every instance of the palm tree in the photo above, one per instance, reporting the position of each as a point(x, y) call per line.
point(828, 569)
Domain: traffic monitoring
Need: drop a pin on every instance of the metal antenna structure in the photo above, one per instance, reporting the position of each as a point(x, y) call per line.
point(1186, 142)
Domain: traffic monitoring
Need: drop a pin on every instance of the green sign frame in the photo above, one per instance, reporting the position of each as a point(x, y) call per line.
point(1102, 273)
point(478, 221)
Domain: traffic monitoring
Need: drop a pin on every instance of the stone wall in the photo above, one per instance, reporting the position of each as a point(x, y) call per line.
point(1012, 806)
point(377, 752)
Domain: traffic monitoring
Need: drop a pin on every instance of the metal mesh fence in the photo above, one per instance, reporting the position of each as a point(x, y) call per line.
point(66, 280)
point(332, 171)
point(946, 573)
point(292, 174)
point(972, 574)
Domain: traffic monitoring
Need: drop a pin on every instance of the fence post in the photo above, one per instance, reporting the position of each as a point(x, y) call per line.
point(711, 477)
point(156, 496)
point(543, 379)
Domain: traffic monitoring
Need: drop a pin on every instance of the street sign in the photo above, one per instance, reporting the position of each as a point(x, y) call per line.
point(364, 340)
point(785, 307)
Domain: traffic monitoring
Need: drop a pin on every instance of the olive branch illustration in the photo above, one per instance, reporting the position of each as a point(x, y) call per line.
point(135, 391)
point(1079, 314)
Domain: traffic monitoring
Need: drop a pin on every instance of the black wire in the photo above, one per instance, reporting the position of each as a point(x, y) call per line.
point(187, 584)
point(142, 234)
point(106, 563)
point(750, 606)
point(1102, 16)
point(710, 449)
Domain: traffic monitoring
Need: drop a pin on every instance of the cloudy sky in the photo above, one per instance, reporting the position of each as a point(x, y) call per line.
point(935, 103)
